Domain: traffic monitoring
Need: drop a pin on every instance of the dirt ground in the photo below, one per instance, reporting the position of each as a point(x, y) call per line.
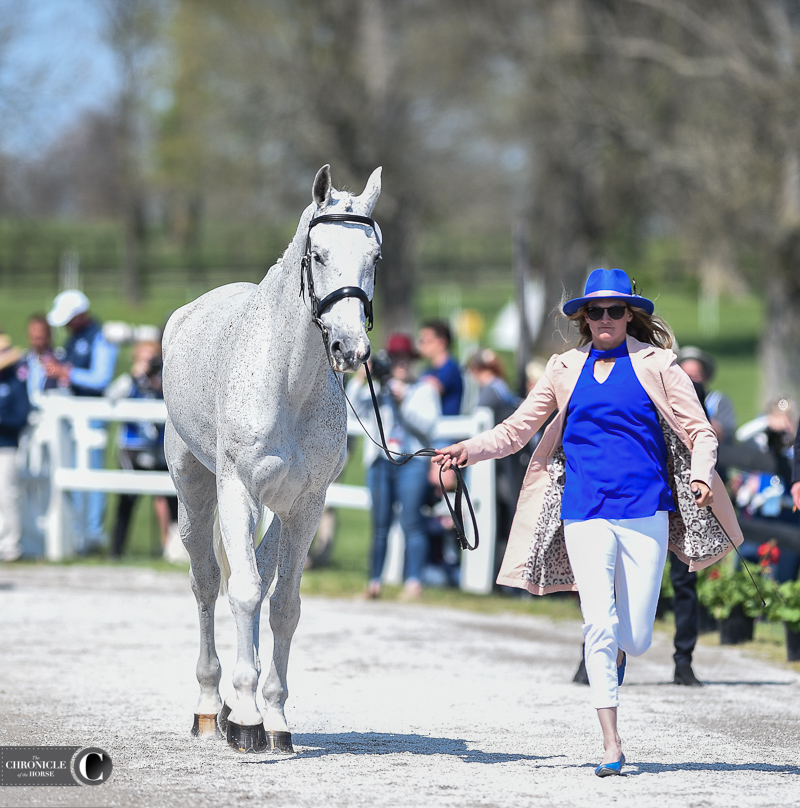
point(391, 705)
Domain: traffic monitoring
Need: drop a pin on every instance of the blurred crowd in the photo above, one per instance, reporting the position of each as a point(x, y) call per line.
point(418, 381)
point(83, 367)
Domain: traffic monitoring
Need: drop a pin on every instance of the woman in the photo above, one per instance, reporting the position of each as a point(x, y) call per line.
point(625, 469)
point(409, 412)
point(141, 445)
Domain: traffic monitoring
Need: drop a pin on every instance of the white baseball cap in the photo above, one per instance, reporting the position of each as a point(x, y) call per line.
point(66, 306)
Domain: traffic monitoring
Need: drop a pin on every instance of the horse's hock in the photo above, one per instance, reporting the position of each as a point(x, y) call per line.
point(256, 418)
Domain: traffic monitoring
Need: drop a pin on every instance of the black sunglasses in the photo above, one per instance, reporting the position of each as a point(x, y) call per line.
point(595, 313)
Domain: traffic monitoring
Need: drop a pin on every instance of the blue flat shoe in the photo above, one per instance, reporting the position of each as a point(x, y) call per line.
point(610, 769)
point(621, 668)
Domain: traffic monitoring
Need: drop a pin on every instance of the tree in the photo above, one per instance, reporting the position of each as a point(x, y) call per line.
point(132, 30)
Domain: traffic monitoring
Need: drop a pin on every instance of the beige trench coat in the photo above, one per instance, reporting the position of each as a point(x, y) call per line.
point(536, 556)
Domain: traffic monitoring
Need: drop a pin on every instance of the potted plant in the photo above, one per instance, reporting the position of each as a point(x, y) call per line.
point(786, 608)
point(730, 595)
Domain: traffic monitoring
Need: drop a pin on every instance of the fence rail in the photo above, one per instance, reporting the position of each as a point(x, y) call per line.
point(68, 430)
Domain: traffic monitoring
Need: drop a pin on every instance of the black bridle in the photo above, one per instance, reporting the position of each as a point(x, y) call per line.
point(319, 307)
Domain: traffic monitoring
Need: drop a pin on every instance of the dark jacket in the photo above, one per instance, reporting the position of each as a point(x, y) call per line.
point(14, 404)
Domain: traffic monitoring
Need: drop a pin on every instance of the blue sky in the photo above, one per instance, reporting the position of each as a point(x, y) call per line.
point(61, 39)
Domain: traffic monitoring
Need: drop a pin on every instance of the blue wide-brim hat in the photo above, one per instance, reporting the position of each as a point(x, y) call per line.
point(608, 283)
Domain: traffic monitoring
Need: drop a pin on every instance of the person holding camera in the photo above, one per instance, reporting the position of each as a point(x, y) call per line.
point(409, 411)
point(86, 370)
point(141, 445)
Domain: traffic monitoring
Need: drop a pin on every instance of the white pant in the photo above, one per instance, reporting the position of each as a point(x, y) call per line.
point(618, 564)
point(10, 533)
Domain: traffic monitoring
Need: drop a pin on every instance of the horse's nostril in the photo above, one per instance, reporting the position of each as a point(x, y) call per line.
point(336, 347)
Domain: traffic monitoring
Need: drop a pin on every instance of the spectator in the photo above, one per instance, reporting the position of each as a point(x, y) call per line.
point(795, 490)
point(486, 368)
point(40, 352)
point(14, 409)
point(141, 445)
point(34, 455)
point(534, 371)
point(409, 412)
point(443, 568)
point(700, 367)
point(761, 492)
point(434, 343)
point(87, 370)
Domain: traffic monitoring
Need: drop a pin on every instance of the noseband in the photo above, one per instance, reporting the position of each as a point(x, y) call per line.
point(319, 307)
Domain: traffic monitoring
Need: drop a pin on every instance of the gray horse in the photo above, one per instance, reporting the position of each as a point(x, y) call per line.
point(256, 419)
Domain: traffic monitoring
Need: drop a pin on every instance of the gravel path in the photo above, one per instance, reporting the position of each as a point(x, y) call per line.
point(391, 705)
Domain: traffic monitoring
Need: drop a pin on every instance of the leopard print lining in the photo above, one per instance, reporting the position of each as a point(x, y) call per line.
point(548, 564)
point(695, 533)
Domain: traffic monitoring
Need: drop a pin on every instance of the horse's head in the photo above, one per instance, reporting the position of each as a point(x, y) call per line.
point(342, 252)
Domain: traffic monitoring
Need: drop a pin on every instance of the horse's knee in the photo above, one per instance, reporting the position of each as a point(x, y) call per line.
point(244, 592)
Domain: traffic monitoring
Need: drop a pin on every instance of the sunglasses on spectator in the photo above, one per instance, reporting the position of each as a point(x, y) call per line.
point(595, 313)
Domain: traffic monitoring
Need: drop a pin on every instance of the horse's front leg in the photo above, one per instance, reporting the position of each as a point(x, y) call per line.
point(238, 516)
point(197, 497)
point(297, 533)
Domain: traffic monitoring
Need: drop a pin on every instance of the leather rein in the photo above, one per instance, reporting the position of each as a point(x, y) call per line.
point(318, 308)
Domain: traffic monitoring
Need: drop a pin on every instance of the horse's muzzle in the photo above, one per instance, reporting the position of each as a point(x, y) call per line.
point(349, 358)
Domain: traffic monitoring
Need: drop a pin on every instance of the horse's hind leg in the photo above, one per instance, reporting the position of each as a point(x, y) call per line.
point(197, 496)
point(296, 536)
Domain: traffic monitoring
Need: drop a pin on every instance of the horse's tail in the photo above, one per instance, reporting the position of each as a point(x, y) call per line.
point(219, 546)
point(221, 555)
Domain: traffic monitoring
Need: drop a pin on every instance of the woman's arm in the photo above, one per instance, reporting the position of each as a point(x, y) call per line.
point(690, 415)
point(510, 435)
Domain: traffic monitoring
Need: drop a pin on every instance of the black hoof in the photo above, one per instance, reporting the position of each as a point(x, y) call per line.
point(246, 739)
point(222, 718)
point(206, 727)
point(279, 741)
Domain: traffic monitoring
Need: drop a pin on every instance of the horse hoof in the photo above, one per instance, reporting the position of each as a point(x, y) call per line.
point(246, 738)
point(222, 718)
point(280, 742)
point(206, 728)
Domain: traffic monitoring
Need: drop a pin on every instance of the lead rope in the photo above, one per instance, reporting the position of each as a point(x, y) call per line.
point(461, 492)
point(744, 563)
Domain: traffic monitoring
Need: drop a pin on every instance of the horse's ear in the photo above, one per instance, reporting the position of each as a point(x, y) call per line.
point(322, 186)
point(371, 192)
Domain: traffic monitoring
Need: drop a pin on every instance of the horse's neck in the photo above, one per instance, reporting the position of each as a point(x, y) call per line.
point(295, 343)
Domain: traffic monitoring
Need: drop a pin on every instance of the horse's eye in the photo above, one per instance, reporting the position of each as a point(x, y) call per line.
point(317, 257)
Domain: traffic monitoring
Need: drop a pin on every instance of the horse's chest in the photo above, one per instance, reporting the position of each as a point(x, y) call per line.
point(293, 457)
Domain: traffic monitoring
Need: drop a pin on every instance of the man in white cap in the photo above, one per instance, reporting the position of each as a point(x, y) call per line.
point(87, 369)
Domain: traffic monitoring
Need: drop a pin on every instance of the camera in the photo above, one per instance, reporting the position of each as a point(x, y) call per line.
point(381, 367)
point(154, 366)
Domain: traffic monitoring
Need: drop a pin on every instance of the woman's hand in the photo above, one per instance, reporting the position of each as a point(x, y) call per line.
point(702, 493)
point(796, 495)
point(453, 455)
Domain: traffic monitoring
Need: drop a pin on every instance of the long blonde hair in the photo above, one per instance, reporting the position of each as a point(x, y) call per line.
point(644, 327)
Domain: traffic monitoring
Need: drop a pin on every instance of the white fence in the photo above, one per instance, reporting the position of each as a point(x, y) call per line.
point(66, 431)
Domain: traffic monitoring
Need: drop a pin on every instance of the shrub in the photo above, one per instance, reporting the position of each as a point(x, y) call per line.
point(721, 588)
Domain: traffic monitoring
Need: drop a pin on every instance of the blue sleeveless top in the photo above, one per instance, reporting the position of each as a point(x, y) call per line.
point(614, 446)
